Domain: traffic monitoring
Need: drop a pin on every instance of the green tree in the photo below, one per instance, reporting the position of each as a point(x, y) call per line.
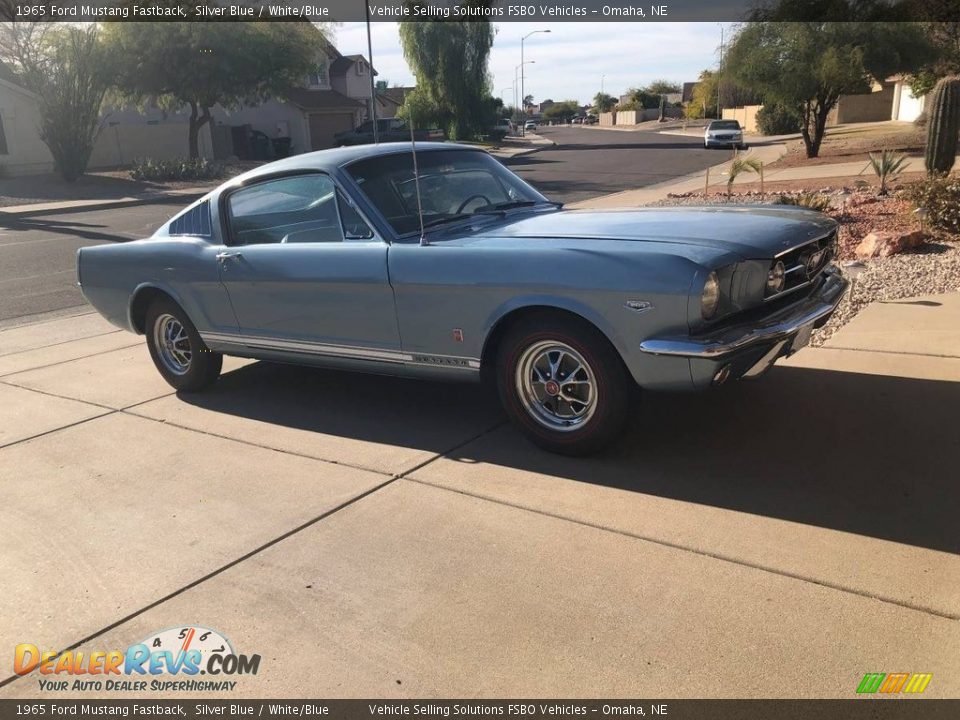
point(420, 110)
point(202, 64)
point(640, 99)
point(662, 87)
point(945, 40)
point(562, 111)
point(449, 61)
point(703, 101)
point(70, 71)
point(604, 102)
point(807, 66)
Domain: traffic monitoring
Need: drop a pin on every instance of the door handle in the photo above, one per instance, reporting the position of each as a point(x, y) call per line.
point(222, 256)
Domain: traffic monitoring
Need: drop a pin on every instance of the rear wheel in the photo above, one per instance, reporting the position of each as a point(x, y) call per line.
point(563, 384)
point(177, 350)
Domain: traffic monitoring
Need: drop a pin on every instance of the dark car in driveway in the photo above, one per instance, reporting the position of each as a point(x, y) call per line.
point(388, 130)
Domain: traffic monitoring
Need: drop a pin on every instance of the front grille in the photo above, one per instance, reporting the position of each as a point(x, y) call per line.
point(804, 263)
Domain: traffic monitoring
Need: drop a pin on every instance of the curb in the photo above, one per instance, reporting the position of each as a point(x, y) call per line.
point(16, 211)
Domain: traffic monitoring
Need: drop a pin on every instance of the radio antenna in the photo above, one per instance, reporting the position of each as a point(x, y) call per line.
point(416, 182)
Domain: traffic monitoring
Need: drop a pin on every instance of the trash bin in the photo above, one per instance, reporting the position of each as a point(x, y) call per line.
point(281, 146)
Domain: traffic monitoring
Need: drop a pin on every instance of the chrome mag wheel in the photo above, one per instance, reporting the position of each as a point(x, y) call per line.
point(556, 386)
point(173, 344)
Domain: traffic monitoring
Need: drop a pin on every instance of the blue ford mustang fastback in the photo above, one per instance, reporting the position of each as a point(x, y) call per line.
point(350, 258)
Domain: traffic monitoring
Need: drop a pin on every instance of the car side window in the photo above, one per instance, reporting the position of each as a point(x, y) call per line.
point(354, 226)
point(295, 209)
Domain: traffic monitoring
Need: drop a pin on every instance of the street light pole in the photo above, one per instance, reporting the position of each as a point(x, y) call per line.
point(523, 97)
point(517, 73)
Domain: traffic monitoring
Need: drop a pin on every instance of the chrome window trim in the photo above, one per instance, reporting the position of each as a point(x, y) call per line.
point(224, 210)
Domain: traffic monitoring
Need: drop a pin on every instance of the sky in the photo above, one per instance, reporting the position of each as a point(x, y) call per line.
point(571, 61)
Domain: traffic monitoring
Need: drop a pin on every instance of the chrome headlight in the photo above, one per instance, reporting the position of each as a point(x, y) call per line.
point(710, 300)
point(776, 278)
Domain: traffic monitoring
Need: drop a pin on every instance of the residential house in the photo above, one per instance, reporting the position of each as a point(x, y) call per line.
point(389, 100)
point(904, 106)
point(334, 98)
point(22, 152)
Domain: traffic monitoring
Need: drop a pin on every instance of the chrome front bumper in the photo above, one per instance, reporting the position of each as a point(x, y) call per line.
point(813, 311)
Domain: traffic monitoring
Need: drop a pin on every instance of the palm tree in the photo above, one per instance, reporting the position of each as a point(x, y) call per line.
point(738, 166)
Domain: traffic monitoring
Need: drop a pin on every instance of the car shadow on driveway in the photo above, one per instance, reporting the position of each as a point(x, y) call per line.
point(867, 454)
point(85, 231)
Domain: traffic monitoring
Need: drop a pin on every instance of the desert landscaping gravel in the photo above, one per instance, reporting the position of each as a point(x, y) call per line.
point(931, 269)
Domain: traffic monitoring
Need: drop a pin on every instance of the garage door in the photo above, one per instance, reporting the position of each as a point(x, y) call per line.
point(323, 126)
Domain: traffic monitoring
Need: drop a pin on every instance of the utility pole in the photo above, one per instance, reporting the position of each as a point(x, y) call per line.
point(373, 85)
point(720, 73)
point(523, 110)
point(517, 72)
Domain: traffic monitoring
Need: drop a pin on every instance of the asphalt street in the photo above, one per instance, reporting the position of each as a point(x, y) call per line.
point(37, 253)
point(588, 162)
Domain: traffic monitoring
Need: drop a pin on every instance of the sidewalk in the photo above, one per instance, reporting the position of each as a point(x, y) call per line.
point(765, 153)
point(59, 206)
point(446, 556)
point(515, 146)
point(912, 338)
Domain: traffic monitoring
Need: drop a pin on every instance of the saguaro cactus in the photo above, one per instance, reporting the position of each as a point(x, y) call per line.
point(943, 126)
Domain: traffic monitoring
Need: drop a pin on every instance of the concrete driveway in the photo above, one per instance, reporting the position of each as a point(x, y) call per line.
point(376, 537)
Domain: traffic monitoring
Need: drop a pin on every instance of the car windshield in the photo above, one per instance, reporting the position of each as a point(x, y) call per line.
point(454, 184)
point(725, 125)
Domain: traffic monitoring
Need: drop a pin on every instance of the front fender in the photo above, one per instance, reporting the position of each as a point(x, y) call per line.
point(553, 302)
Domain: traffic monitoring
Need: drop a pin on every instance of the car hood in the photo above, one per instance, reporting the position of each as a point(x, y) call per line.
point(751, 232)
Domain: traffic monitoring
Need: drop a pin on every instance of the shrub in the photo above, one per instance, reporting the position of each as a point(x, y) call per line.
point(777, 120)
point(175, 169)
point(920, 120)
point(886, 165)
point(813, 201)
point(940, 196)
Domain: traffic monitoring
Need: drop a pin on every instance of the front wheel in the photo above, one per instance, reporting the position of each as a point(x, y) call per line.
point(177, 350)
point(563, 384)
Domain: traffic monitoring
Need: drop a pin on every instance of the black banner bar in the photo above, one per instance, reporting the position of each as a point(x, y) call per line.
point(874, 708)
point(452, 10)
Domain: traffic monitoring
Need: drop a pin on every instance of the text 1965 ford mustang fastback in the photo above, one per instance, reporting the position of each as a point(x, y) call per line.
point(349, 259)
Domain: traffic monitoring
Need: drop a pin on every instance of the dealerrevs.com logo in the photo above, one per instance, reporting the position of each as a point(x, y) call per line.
point(169, 660)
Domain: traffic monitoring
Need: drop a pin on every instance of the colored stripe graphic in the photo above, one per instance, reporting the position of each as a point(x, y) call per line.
point(891, 683)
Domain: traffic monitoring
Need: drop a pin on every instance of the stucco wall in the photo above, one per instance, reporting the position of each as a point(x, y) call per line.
point(608, 119)
point(868, 107)
point(122, 144)
point(746, 116)
point(26, 153)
